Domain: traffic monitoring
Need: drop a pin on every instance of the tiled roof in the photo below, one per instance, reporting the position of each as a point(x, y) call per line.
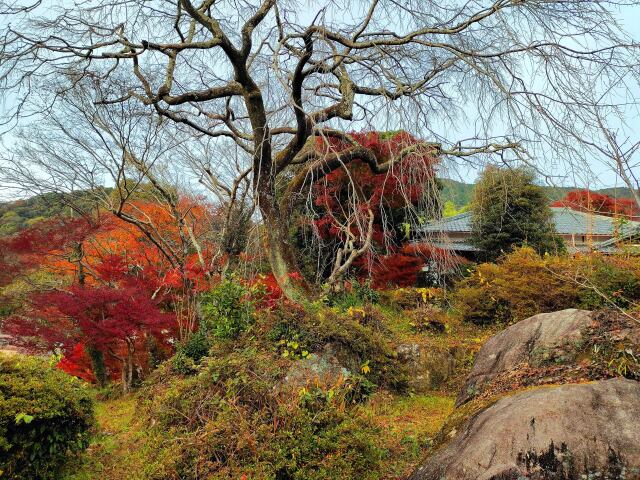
point(629, 234)
point(572, 222)
point(567, 222)
point(460, 246)
point(457, 223)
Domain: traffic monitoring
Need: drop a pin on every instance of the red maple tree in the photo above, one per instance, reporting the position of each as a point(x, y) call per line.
point(599, 203)
point(115, 321)
point(386, 195)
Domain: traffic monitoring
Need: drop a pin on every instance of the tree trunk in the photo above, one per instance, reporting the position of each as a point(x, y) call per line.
point(123, 377)
point(282, 256)
point(127, 367)
point(97, 365)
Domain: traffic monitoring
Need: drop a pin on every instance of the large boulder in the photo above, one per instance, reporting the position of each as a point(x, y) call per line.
point(570, 432)
point(547, 335)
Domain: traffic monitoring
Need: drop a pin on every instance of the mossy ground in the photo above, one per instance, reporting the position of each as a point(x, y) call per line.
point(409, 425)
point(117, 449)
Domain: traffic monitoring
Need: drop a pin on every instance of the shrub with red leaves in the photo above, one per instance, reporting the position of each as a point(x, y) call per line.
point(402, 268)
point(269, 291)
point(386, 194)
point(599, 203)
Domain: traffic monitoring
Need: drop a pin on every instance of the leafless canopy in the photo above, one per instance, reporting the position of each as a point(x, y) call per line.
point(501, 77)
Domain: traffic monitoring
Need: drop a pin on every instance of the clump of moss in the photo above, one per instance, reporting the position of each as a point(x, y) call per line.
point(360, 341)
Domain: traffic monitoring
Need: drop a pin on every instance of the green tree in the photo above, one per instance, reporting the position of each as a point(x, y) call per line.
point(509, 210)
point(449, 209)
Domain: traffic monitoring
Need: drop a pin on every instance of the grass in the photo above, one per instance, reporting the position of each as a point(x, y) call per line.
point(115, 451)
point(119, 449)
point(409, 425)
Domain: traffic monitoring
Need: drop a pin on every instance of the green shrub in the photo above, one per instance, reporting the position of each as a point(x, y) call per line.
point(524, 283)
point(357, 295)
point(190, 352)
point(45, 416)
point(196, 346)
point(232, 419)
point(612, 280)
point(226, 310)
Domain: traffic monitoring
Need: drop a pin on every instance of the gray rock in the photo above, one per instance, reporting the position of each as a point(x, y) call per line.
point(428, 367)
point(570, 432)
point(8, 345)
point(516, 344)
point(324, 368)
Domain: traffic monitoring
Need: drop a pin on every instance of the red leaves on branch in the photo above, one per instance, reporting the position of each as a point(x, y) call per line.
point(101, 316)
point(52, 234)
point(406, 183)
point(76, 362)
point(401, 269)
point(270, 293)
point(105, 316)
point(599, 203)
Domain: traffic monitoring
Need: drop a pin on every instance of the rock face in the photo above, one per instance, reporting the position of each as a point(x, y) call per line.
point(542, 335)
point(428, 367)
point(545, 400)
point(8, 345)
point(571, 432)
point(324, 367)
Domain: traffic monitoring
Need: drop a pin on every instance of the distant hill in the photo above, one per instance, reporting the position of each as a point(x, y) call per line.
point(460, 193)
point(19, 214)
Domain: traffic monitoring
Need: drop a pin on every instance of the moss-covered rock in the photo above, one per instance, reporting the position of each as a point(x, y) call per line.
point(567, 432)
point(568, 346)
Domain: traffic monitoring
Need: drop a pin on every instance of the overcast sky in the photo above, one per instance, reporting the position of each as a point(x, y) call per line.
point(599, 176)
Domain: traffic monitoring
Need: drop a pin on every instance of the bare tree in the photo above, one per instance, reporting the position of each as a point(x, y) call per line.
point(619, 152)
point(270, 77)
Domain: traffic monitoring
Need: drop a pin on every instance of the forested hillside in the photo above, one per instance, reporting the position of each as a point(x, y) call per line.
point(20, 214)
point(460, 193)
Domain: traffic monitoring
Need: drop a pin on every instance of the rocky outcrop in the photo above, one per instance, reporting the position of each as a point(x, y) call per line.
point(322, 368)
point(428, 366)
point(568, 432)
point(545, 335)
point(545, 400)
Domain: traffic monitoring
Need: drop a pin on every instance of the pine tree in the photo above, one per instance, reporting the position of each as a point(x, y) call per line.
point(510, 210)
